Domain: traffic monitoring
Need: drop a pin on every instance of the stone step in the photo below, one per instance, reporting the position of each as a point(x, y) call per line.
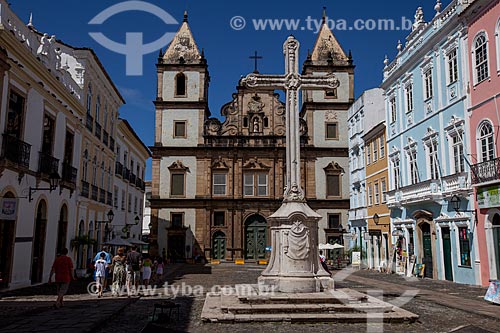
point(303, 299)
point(351, 318)
point(305, 308)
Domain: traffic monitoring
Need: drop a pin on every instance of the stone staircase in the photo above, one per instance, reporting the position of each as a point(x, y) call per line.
point(341, 305)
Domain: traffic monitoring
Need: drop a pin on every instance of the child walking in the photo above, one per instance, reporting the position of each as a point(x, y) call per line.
point(100, 273)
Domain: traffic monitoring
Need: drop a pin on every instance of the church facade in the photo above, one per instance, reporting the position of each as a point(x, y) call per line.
point(216, 180)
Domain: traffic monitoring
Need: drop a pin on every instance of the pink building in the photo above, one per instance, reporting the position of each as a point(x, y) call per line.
point(483, 20)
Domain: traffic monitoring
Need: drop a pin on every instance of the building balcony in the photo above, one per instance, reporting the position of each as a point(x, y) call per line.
point(95, 192)
point(48, 164)
point(118, 169)
point(90, 122)
point(485, 172)
point(126, 174)
point(102, 196)
point(69, 174)
point(85, 189)
point(132, 179)
point(98, 130)
point(139, 183)
point(105, 138)
point(422, 192)
point(16, 151)
point(111, 143)
point(109, 198)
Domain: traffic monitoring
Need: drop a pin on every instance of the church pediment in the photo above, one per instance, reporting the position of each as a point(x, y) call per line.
point(334, 167)
point(219, 164)
point(254, 163)
point(251, 113)
point(178, 166)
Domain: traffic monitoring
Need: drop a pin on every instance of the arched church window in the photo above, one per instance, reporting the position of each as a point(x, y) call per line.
point(180, 84)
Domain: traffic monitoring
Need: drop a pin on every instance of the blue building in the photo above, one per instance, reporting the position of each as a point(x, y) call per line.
point(427, 124)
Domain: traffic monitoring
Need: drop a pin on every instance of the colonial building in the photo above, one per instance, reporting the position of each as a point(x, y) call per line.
point(426, 101)
point(483, 56)
point(96, 159)
point(215, 181)
point(365, 114)
point(129, 185)
point(58, 118)
point(377, 217)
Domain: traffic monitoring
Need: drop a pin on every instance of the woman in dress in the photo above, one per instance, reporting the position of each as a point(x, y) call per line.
point(159, 271)
point(146, 273)
point(119, 273)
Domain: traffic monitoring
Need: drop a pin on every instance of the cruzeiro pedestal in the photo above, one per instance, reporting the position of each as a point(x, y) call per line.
point(294, 286)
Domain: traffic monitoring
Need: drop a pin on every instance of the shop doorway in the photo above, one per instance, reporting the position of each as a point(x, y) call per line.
point(448, 267)
point(39, 243)
point(427, 249)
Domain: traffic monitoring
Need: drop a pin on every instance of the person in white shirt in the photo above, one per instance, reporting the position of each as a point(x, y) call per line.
point(100, 273)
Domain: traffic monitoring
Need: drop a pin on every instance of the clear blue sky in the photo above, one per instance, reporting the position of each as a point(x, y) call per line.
point(227, 50)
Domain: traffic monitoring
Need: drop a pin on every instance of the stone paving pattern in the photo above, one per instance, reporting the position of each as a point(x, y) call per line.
point(442, 306)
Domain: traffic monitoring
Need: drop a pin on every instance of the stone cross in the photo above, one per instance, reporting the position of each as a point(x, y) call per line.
point(294, 265)
point(292, 82)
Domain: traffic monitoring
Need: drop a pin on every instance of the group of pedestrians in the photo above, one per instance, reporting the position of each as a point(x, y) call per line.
point(123, 271)
point(126, 270)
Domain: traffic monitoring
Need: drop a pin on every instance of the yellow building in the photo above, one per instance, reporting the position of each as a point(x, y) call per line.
point(379, 240)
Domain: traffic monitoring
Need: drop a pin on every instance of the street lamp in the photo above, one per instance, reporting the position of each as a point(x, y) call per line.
point(54, 180)
point(456, 202)
point(107, 229)
point(376, 218)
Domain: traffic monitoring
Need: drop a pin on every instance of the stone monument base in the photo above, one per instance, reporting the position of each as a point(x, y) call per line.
point(307, 284)
point(247, 303)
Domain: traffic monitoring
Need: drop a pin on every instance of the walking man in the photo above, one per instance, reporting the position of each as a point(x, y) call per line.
point(134, 261)
point(63, 269)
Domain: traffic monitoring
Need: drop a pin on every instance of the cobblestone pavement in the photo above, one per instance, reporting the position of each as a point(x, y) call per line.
point(442, 306)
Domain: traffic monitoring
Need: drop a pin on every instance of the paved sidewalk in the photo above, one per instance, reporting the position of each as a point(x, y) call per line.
point(430, 293)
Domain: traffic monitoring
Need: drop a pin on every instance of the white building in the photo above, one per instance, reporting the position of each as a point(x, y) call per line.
point(129, 186)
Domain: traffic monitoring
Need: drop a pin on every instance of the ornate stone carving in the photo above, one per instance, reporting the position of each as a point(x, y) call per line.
point(254, 163)
point(255, 105)
point(303, 129)
point(331, 116)
point(297, 244)
point(212, 126)
point(178, 165)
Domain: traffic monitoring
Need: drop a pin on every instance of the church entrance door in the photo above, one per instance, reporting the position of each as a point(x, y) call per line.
point(255, 237)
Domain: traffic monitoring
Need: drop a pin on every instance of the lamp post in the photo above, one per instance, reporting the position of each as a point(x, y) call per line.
point(456, 203)
point(107, 229)
point(54, 180)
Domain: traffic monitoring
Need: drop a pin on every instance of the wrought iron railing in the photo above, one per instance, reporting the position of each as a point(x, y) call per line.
point(69, 174)
point(109, 198)
point(16, 151)
point(98, 130)
point(105, 137)
point(111, 143)
point(95, 191)
point(132, 179)
point(126, 173)
point(90, 122)
point(118, 169)
point(102, 195)
point(486, 171)
point(48, 164)
point(85, 189)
